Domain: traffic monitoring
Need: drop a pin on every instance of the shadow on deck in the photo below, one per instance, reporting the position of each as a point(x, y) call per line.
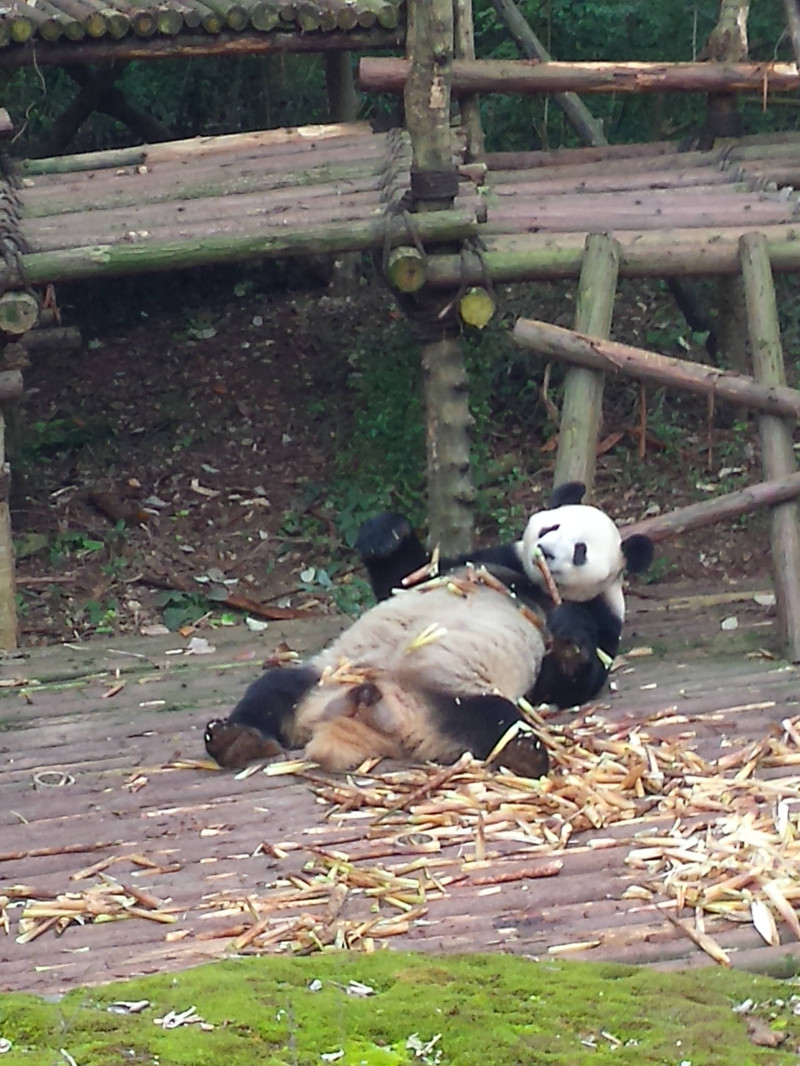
point(667, 836)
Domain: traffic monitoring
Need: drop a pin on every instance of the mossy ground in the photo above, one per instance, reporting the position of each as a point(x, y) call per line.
point(484, 1010)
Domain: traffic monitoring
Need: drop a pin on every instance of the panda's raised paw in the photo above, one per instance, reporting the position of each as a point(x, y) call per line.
point(380, 537)
point(523, 753)
point(234, 745)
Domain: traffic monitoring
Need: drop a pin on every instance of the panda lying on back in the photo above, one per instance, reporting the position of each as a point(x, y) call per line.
point(436, 670)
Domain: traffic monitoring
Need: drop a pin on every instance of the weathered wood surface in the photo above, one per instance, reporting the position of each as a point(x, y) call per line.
point(327, 189)
point(210, 836)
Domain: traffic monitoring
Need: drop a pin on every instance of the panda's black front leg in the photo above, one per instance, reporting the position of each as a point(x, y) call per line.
point(585, 638)
point(486, 723)
point(260, 725)
point(390, 550)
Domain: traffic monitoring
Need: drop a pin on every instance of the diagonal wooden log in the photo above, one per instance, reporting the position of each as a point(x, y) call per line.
point(720, 509)
point(554, 342)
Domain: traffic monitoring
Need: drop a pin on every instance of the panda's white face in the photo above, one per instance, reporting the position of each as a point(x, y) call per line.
point(582, 549)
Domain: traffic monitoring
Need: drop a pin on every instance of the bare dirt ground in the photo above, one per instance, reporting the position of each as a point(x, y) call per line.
point(164, 468)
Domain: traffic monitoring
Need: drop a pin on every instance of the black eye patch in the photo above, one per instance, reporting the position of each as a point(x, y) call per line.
point(547, 529)
point(579, 554)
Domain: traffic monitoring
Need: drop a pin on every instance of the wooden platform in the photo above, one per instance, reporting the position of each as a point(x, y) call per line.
point(336, 188)
point(105, 812)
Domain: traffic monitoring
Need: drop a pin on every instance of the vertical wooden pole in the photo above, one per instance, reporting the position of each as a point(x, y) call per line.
point(434, 184)
point(470, 105)
point(582, 409)
point(343, 100)
point(777, 454)
point(8, 599)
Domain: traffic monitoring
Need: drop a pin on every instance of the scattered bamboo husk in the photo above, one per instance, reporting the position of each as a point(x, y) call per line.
point(104, 902)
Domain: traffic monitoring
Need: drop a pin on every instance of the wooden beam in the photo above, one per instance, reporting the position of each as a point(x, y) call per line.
point(524, 76)
point(720, 509)
point(554, 342)
point(777, 454)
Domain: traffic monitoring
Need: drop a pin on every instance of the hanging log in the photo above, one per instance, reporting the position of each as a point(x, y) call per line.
point(777, 453)
point(387, 75)
point(582, 409)
point(405, 268)
point(721, 509)
point(554, 342)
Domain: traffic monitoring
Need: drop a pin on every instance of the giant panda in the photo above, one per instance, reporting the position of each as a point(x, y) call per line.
point(437, 669)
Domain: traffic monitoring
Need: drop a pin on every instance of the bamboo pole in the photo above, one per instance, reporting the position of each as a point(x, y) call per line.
point(520, 76)
point(553, 342)
point(777, 454)
point(582, 409)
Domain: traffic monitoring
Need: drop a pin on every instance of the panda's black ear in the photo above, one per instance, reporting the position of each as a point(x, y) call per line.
point(638, 551)
point(569, 492)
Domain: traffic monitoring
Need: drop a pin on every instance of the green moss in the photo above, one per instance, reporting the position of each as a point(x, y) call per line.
point(468, 1011)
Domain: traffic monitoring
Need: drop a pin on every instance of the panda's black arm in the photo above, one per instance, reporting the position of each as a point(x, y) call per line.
point(390, 550)
point(585, 640)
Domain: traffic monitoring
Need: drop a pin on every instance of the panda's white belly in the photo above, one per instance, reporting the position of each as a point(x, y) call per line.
point(436, 638)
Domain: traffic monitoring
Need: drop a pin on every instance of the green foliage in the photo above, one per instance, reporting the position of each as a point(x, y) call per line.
point(60, 436)
point(181, 608)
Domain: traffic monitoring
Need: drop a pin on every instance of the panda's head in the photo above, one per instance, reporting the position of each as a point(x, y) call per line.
point(583, 549)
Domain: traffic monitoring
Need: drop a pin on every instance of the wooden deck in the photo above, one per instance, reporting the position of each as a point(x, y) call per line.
point(102, 799)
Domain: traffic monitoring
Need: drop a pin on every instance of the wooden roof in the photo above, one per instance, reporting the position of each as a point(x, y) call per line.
point(336, 188)
point(59, 31)
point(101, 805)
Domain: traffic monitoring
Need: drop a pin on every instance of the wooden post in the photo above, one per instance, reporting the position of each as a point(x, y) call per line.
point(777, 455)
point(582, 408)
point(470, 105)
point(8, 598)
point(434, 184)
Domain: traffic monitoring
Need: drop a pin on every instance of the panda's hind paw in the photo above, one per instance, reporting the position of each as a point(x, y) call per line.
point(234, 745)
point(523, 753)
